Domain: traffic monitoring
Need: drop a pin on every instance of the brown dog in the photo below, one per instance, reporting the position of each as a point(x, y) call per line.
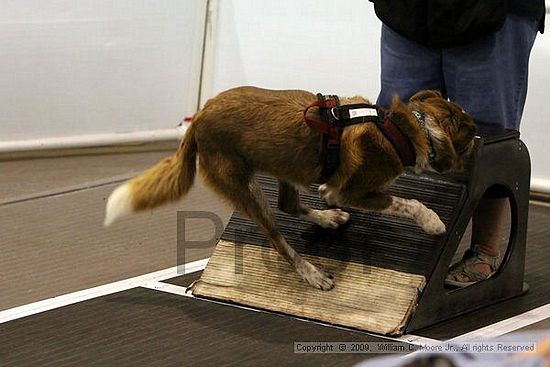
point(247, 130)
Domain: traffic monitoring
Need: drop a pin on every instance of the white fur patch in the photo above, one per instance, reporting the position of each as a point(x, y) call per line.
point(330, 195)
point(430, 222)
point(118, 205)
point(330, 218)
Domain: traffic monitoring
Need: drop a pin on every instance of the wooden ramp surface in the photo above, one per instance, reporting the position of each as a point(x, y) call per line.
point(365, 297)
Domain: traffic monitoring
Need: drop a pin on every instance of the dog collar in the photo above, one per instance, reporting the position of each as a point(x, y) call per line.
point(400, 142)
point(421, 118)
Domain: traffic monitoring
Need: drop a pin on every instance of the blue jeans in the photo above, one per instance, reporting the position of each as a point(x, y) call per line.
point(487, 77)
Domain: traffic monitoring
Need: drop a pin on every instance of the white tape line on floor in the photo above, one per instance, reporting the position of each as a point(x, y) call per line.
point(508, 325)
point(102, 290)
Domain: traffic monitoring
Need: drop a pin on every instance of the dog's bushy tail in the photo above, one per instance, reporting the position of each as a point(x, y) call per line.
point(166, 181)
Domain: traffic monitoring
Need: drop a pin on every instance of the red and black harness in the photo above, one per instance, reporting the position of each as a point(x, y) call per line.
point(337, 117)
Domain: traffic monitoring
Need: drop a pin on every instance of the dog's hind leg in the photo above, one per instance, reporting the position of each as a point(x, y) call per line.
point(289, 202)
point(235, 184)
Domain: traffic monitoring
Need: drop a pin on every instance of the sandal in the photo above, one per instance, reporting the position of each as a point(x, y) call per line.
point(465, 268)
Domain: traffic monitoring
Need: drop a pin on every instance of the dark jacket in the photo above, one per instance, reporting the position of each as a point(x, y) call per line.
point(448, 23)
point(533, 9)
point(528, 8)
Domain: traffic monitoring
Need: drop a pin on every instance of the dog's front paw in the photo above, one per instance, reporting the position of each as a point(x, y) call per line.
point(316, 277)
point(329, 194)
point(430, 222)
point(331, 218)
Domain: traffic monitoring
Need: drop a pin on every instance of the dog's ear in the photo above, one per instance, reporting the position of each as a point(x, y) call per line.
point(455, 137)
point(446, 165)
point(464, 129)
point(425, 94)
point(467, 130)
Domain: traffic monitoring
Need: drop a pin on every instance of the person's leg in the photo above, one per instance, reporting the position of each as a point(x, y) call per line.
point(487, 227)
point(406, 67)
point(488, 78)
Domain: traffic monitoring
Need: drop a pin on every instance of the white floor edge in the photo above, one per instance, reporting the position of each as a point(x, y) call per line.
point(490, 331)
point(154, 281)
point(508, 325)
point(102, 290)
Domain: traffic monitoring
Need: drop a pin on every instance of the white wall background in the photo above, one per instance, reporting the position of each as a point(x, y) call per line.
point(79, 67)
point(318, 45)
point(83, 68)
point(535, 127)
point(333, 47)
